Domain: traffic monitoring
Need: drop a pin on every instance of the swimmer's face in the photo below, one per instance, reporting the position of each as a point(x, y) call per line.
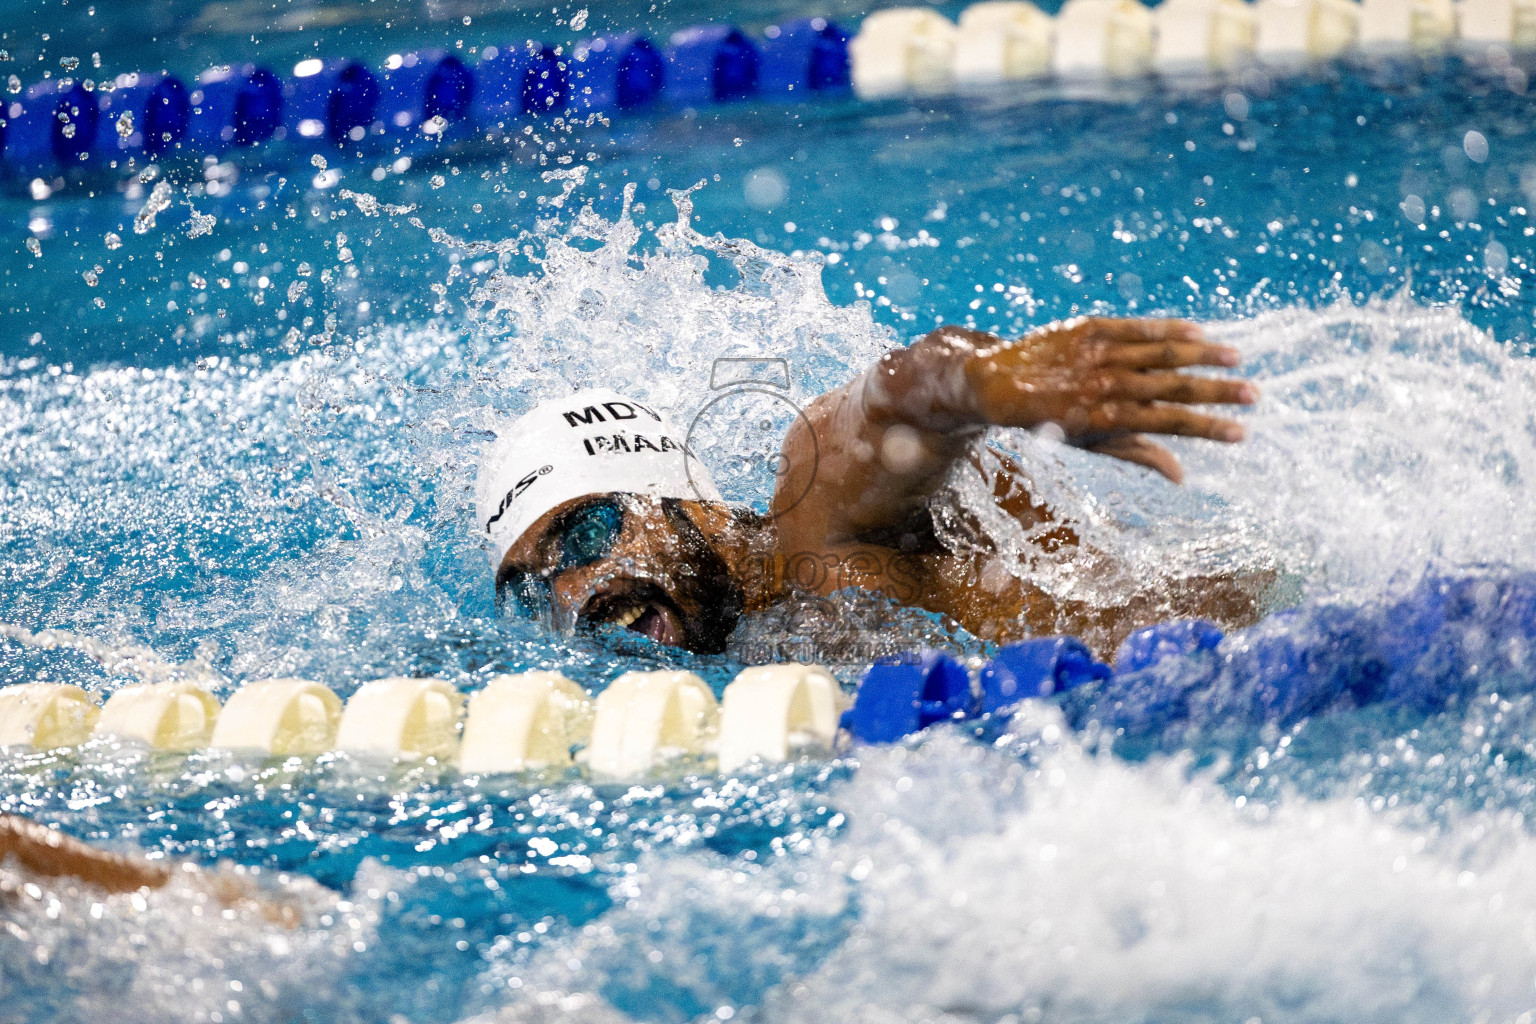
point(637, 562)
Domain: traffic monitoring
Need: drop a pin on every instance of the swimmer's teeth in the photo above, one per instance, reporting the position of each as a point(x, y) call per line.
point(630, 616)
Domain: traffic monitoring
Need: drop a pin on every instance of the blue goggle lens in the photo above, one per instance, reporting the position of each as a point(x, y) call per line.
point(589, 534)
point(585, 535)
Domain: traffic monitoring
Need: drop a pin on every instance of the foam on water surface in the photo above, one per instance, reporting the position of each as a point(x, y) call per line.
point(1037, 882)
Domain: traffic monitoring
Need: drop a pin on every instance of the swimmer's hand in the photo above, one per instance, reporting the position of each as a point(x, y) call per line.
point(1107, 382)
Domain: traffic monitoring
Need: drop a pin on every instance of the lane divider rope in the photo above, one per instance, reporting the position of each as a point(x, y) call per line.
point(430, 96)
point(534, 720)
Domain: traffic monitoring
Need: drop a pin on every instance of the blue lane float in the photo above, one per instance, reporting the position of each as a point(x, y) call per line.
point(52, 127)
point(333, 101)
point(514, 81)
point(1037, 668)
point(423, 86)
point(904, 695)
point(1146, 647)
point(143, 113)
point(711, 64)
point(1422, 652)
point(802, 58)
point(616, 73)
point(234, 106)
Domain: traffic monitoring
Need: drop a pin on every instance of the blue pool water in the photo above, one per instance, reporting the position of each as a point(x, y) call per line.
point(187, 467)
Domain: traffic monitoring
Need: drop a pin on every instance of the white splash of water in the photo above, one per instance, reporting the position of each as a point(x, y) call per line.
point(1389, 437)
point(1075, 889)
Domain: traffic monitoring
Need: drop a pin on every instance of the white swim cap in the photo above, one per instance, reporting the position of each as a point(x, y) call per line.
point(593, 442)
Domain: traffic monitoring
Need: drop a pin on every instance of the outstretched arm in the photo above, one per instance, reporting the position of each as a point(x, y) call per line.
point(51, 854)
point(868, 454)
point(46, 852)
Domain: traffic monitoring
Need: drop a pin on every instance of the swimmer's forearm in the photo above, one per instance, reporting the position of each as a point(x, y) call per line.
point(46, 852)
point(928, 385)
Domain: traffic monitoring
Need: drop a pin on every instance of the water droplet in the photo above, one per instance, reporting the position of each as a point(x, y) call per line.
point(1476, 146)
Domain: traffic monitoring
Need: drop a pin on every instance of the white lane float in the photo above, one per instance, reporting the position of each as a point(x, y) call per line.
point(402, 717)
point(772, 711)
point(1103, 39)
point(516, 722)
point(901, 50)
point(525, 721)
point(46, 715)
point(644, 717)
point(164, 716)
point(1195, 36)
point(1422, 25)
point(1509, 23)
point(282, 717)
point(1003, 40)
point(1298, 31)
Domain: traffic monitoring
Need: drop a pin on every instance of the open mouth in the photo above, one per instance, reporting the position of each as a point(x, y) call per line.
point(643, 608)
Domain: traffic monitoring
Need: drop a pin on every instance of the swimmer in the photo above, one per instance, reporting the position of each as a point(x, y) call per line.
point(596, 514)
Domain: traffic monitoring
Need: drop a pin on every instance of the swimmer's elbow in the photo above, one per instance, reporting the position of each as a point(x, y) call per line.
point(925, 385)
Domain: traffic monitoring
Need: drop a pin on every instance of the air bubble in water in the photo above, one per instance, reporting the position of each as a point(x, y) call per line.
point(1496, 258)
point(69, 63)
point(113, 240)
point(1476, 146)
point(125, 125)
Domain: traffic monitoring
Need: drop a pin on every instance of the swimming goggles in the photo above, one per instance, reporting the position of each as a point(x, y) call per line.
point(579, 537)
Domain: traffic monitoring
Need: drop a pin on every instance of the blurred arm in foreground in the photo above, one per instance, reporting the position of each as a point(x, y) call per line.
point(47, 853)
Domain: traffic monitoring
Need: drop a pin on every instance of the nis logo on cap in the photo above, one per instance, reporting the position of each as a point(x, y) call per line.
point(517, 488)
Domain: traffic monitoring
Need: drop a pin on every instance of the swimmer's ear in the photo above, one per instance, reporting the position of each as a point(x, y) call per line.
point(1136, 448)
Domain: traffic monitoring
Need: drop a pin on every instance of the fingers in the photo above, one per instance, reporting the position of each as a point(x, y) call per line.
point(1178, 387)
point(1143, 329)
point(1153, 418)
point(1143, 452)
point(1166, 355)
